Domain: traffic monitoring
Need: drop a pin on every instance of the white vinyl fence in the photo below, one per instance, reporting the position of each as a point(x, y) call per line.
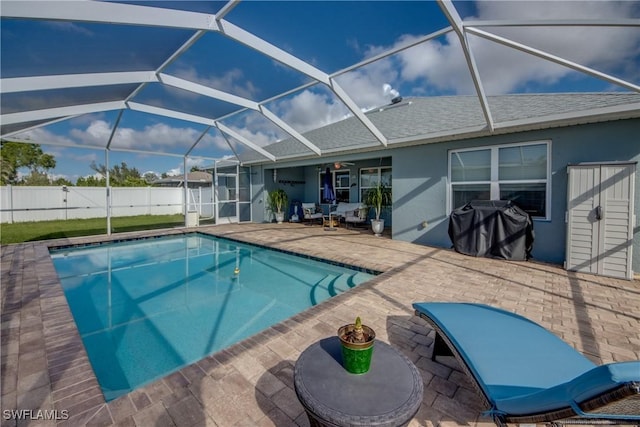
point(20, 204)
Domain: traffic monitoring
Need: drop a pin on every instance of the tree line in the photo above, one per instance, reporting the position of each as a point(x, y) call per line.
point(17, 155)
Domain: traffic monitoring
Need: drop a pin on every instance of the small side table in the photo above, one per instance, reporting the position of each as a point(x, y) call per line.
point(388, 395)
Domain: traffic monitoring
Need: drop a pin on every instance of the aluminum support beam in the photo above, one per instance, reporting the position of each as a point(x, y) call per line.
point(48, 122)
point(207, 91)
point(108, 190)
point(202, 135)
point(50, 113)
point(109, 13)
point(136, 106)
point(262, 46)
point(553, 58)
point(291, 131)
point(454, 18)
point(115, 127)
point(237, 100)
point(245, 141)
point(397, 49)
point(64, 81)
point(604, 22)
point(280, 55)
point(224, 10)
point(344, 97)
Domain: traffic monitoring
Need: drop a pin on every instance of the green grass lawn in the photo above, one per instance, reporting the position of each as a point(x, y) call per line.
point(43, 230)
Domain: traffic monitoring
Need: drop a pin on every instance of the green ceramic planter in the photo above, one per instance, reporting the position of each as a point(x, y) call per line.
point(356, 357)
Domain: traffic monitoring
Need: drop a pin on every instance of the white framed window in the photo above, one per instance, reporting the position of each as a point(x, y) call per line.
point(341, 182)
point(370, 177)
point(518, 172)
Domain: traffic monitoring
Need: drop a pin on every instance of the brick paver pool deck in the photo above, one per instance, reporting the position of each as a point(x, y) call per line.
point(44, 365)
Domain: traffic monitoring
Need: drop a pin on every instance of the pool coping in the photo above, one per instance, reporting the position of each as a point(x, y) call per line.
point(230, 239)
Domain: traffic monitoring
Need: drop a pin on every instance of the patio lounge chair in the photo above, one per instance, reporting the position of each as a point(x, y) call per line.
point(311, 212)
point(526, 374)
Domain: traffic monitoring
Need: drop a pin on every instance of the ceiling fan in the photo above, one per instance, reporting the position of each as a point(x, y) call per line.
point(338, 165)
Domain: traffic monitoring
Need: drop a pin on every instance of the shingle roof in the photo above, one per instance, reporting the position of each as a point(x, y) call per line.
point(422, 120)
point(197, 176)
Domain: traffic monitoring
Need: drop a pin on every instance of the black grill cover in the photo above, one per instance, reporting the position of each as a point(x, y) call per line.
point(494, 229)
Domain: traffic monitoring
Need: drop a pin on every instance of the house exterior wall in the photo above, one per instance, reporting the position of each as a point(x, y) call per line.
point(420, 182)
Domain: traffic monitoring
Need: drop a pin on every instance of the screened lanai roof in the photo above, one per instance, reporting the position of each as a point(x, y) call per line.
point(259, 81)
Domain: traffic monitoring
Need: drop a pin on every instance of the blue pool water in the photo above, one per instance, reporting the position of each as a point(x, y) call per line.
point(146, 308)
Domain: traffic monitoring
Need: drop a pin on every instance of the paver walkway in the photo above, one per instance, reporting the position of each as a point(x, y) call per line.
point(44, 365)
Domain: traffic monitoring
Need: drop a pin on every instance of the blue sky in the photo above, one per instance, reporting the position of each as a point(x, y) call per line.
point(329, 35)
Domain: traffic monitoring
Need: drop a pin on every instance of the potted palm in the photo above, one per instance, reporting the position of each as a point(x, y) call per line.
point(356, 342)
point(378, 198)
point(277, 201)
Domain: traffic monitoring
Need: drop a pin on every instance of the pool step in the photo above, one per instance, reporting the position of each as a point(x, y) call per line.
point(339, 284)
point(332, 285)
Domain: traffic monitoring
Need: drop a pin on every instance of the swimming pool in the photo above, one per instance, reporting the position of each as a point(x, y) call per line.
point(148, 307)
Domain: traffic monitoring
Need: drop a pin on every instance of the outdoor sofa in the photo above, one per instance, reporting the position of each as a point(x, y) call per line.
point(343, 209)
point(526, 374)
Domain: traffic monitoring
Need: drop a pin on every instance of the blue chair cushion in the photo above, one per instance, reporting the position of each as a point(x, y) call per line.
point(588, 385)
point(509, 355)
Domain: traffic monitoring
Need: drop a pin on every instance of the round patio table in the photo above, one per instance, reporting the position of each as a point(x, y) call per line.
point(388, 395)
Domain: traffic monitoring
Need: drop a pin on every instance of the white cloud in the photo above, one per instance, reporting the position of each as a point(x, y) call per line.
point(503, 70)
point(195, 161)
point(86, 119)
point(158, 137)
point(439, 66)
point(436, 63)
point(310, 110)
point(366, 86)
point(178, 171)
point(44, 136)
point(96, 134)
point(175, 171)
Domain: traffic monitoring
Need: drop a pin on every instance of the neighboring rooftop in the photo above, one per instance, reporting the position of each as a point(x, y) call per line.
point(193, 178)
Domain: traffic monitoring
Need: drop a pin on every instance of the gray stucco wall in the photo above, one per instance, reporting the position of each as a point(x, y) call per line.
point(420, 174)
point(420, 181)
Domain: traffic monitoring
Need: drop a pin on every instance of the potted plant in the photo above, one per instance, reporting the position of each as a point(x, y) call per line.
point(277, 201)
point(357, 346)
point(378, 198)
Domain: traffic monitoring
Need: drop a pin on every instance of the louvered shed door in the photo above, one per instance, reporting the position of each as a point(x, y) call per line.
point(600, 219)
